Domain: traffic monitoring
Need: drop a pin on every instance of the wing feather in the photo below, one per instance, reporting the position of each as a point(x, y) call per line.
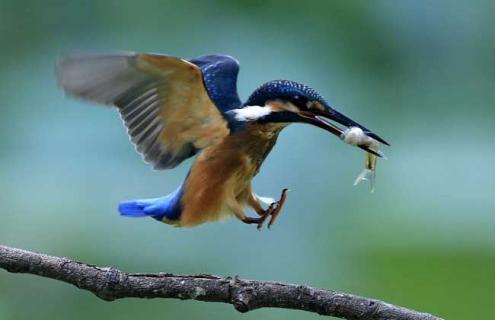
point(162, 101)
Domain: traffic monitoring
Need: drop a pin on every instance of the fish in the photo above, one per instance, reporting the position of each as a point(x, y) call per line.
point(369, 171)
point(356, 136)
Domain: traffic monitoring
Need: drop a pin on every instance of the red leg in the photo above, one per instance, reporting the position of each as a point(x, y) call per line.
point(259, 221)
point(276, 210)
point(273, 211)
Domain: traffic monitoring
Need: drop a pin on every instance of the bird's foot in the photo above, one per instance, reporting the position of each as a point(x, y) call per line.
point(259, 221)
point(276, 207)
point(273, 211)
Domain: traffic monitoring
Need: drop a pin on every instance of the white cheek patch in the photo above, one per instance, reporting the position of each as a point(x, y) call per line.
point(251, 113)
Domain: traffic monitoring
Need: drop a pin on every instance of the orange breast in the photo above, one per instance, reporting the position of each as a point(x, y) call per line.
point(223, 171)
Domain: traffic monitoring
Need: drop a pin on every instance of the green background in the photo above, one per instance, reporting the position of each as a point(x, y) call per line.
point(419, 73)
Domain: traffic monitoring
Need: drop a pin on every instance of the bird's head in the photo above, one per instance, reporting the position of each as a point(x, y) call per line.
point(283, 101)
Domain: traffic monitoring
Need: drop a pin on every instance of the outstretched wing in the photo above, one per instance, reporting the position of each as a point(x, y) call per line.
point(220, 79)
point(163, 101)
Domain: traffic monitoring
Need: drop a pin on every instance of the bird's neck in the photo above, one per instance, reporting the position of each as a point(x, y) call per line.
point(256, 141)
point(243, 150)
point(255, 133)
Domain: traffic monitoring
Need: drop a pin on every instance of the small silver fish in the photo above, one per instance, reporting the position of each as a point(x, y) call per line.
point(369, 172)
point(356, 136)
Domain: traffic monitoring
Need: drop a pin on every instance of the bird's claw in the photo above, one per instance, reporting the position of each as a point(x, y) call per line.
point(273, 211)
point(265, 215)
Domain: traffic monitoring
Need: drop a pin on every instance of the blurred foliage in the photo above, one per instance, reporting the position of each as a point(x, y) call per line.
point(419, 73)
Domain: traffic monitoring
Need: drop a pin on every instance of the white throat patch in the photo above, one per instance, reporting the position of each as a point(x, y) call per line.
point(251, 113)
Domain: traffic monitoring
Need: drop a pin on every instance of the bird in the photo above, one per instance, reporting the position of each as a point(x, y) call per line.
point(175, 109)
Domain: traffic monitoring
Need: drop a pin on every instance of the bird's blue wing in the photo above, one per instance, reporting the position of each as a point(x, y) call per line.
point(220, 79)
point(163, 101)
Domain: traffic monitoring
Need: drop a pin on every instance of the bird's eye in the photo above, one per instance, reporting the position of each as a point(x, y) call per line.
point(298, 101)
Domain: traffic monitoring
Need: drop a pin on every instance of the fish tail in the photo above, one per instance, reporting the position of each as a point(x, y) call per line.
point(366, 174)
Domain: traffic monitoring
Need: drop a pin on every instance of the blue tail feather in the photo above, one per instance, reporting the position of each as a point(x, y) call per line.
point(136, 208)
point(158, 208)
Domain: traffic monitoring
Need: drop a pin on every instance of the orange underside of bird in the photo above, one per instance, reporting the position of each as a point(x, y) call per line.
point(174, 109)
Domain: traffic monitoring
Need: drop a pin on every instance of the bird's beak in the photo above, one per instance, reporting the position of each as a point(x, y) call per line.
point(317, 118)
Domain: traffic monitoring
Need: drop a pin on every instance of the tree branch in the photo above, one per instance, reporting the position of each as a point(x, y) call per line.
point(245, 295)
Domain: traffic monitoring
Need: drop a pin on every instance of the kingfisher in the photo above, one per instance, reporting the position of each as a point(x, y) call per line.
point(175, 109)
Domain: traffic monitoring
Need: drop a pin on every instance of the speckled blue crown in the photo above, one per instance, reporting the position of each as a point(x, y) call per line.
point(284, 90)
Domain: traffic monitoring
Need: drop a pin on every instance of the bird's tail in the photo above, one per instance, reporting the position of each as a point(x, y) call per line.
point(168, 207)
point(141, 208)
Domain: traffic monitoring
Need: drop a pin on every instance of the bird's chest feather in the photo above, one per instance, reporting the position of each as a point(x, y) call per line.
point(226, 169)
point(239, 157)
point(247, 150)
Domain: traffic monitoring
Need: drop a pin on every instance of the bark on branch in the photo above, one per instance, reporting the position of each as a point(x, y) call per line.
point(245, 295)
